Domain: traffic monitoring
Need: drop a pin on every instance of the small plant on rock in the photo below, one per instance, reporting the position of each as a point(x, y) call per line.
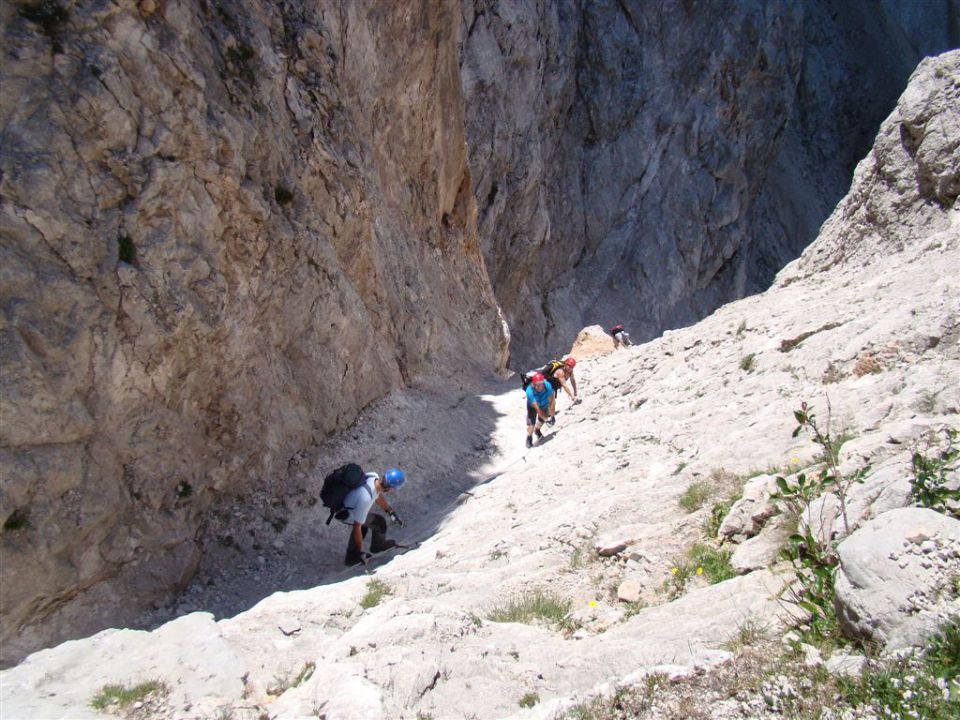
point(376, 591)
point(583, 553)
point(283, 683)
point(696, 496)
point(922, 685)
point(699, 561)
point(305, 674)
point(124, 696)
point(930, 485)
point(830, 476)
point(633, 701)
point(814, 559)
point(529, 700)
point(719, 511)
point(537, 606)
point(747, 362)
point(750, 632)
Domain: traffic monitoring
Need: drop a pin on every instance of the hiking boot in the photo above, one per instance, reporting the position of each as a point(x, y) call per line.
point(539, 436)
point(529, 441)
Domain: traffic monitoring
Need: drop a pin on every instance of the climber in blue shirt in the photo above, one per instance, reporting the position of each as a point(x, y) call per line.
point(541, 404)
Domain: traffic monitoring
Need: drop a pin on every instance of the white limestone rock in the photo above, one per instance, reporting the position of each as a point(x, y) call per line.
point(748, 514)
point(892, 589)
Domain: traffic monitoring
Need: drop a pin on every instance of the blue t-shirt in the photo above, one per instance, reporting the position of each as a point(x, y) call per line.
point(541, 398)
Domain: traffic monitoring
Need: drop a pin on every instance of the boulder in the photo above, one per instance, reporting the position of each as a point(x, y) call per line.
point(763, 549)
point(891, 587)
point(748, 514)
point(629, 590)
point(592, 341)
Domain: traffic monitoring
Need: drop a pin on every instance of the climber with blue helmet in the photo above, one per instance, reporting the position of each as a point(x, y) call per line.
point(356, 513)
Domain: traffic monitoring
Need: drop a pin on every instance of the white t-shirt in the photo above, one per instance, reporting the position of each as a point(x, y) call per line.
point(360, 500)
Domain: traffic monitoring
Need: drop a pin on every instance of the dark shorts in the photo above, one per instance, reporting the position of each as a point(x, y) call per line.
point(531, 416)
point(377, 525)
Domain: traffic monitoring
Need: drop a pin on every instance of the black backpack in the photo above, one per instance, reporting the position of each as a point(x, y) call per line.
point(338, 484)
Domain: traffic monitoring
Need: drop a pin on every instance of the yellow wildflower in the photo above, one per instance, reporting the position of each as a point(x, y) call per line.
point(674, 571)
point(699, 571)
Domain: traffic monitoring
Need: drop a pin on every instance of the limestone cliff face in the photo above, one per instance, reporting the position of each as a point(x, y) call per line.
point(227, 227)
point(645, 162)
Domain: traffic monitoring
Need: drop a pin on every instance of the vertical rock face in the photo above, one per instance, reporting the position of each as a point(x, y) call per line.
point(227, 227)
point(646, 162)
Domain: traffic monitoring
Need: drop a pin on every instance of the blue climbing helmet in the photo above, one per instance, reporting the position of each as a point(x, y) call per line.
point(394, 478)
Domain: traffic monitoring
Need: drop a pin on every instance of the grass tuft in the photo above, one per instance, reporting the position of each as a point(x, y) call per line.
point(123, 696)
point(529, 700)
point(376, 591)
point(696, 496)
point(538, 606)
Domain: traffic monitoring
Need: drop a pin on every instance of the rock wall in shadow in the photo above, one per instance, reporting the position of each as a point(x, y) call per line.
point(646, 162)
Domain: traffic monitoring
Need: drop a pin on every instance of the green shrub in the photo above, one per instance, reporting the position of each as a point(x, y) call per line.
point(376, 591)
point(929, 484)
point(922, 685)
point(529, 700)
point(583, 553)
point(123, 696)
point(715, 563)
point(747, 362)
point(699, 561)
point(711, 526)
point(696, 496)
point(815, 561)
point(538, 606)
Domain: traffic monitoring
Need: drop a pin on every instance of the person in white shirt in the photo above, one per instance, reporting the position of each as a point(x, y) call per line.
point(358, 503)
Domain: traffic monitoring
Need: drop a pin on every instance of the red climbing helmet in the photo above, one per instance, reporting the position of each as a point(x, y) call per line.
point(537, 378)
point(570, 362)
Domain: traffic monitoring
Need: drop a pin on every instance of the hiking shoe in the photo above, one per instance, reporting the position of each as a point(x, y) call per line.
point(539, 436)
point(529, 441)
